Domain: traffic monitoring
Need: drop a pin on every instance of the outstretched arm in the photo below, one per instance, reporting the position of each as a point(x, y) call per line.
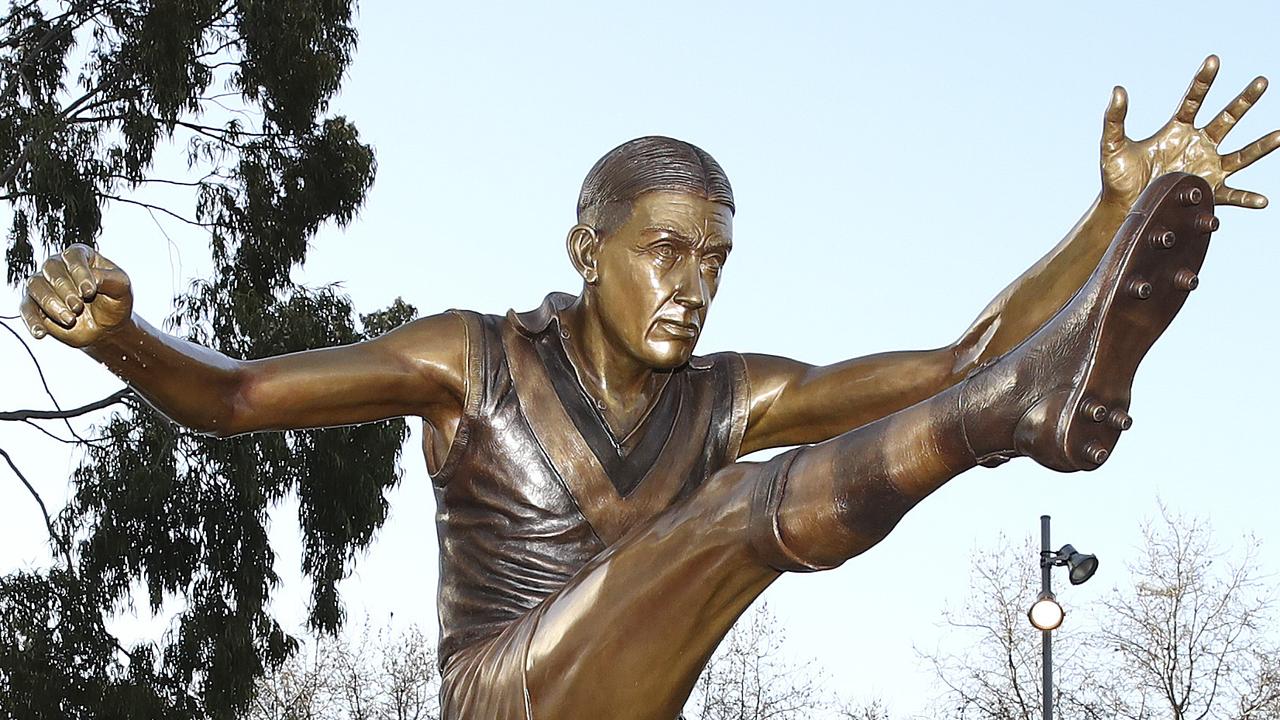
point(85, 300)
point(794, 403)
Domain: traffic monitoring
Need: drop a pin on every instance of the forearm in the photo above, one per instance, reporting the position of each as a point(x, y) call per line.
point(193, 385)
point(1030, 300)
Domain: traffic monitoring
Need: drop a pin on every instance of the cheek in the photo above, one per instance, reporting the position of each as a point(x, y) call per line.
point(637, 287)
point(713, 284)
point(628, 299)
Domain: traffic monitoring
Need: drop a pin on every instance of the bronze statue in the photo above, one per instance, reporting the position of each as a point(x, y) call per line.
point(597, 537)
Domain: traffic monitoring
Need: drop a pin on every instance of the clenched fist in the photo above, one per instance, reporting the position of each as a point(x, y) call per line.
point(79, 297)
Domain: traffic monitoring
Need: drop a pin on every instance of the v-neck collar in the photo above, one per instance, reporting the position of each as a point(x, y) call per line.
point(624, 465)
point(613, 499)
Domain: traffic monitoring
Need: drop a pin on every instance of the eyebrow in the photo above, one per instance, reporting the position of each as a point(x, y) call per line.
point(715, 242)
point(674, 233)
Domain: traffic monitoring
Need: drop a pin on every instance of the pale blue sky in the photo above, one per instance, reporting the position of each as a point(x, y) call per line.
point(895, 165)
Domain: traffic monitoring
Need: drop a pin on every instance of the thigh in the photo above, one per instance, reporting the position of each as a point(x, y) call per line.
point(487, 679)
point(628, 636)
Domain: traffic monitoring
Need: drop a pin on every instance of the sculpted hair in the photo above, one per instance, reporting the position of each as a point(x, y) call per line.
point(644, 165)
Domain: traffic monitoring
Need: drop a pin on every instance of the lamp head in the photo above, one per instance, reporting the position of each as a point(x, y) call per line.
point(1080, 566)
point(1046, 613)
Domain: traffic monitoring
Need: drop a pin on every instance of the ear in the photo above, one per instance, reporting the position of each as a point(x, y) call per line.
point(582, 243)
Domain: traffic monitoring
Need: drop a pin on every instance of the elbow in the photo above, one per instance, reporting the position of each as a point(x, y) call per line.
point(222, 424)
point(197, 412)
point(231, 412)
point(235, 414)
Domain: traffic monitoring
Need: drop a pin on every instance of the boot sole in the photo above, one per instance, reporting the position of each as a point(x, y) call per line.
point(1151, 267)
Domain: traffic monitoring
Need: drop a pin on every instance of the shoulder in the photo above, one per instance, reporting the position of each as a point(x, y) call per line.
point(769, 376)
point(442, 334)
point(723, 373)
point(436, 347)
point(721, 362)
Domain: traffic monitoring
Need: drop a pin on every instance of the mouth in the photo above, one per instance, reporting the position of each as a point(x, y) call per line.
point(676, 329)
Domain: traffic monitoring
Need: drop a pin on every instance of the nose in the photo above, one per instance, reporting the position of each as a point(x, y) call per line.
point(692, 292)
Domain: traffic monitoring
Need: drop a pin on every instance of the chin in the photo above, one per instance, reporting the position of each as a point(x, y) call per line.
point(669, 356)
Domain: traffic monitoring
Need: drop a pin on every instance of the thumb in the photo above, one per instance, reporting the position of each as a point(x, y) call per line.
point(1113, 121)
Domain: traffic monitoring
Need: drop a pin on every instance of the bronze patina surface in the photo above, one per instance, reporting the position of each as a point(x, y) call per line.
point(598, 535)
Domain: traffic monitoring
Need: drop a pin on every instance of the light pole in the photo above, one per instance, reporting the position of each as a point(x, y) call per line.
point(1046, 614)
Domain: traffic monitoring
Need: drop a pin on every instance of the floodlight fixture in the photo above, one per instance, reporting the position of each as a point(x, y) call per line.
point(1080, 566)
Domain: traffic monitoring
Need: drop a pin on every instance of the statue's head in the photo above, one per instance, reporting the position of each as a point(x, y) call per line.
point(655, 226)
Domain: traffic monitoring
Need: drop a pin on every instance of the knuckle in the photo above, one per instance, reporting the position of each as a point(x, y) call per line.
point(77, 254)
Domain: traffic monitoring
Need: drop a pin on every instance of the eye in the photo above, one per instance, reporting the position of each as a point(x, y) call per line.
point(664, 253)
point(713, 263)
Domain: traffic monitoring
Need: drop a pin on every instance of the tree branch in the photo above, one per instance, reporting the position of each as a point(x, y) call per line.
point(149, 206)
point(162, 181)
point(43, 380)
point(112, 399)
point(44, 431)
point(44, 510)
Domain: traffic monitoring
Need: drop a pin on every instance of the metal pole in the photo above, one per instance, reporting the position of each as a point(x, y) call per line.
point(1046, 636)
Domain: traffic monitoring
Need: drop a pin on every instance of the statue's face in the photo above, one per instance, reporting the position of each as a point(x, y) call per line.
point(658, 273)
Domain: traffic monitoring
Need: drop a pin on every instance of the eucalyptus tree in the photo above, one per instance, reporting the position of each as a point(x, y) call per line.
point(93, 95)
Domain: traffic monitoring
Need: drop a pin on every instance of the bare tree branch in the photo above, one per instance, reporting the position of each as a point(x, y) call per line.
point(54, 536)
point(155, 208)
point(43, 380)
point(115, 397)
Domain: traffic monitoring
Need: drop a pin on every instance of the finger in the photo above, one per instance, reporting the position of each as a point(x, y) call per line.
point(1231, 114)
point(1200, 85)
point(33, 317)
point(1113, 121)
point(79, 264)
point(1251, 153)
point(1240, 198)
point(56, 272)
point(112, 282)
point(39, 290)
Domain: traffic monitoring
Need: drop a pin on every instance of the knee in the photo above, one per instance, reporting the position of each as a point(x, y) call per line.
point(812, 514)
point(774, 541)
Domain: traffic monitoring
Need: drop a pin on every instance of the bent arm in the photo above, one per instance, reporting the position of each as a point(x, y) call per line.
point(418, 369)
point(796, 403)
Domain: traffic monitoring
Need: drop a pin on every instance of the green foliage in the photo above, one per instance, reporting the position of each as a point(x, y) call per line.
point(57, 656)
point(151, 70)
point(90, 90)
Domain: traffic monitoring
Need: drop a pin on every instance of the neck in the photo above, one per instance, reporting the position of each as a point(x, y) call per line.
point(608, 372)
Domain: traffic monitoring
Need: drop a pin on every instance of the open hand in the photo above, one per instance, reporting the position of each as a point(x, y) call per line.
point(1179, 146)
point(79, 297)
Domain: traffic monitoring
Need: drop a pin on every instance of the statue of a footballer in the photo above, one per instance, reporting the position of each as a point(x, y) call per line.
point(597, 536)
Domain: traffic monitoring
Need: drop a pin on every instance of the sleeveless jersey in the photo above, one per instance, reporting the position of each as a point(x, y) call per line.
point(535, 485)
